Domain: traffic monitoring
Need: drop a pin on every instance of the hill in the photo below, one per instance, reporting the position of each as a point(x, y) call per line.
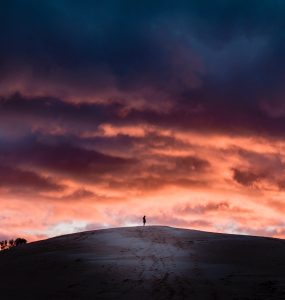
point(152, 262)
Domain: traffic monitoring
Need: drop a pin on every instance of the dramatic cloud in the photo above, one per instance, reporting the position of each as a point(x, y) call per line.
point(18, 179)
point(113, 110)
point(210, 207)
point(246, 178)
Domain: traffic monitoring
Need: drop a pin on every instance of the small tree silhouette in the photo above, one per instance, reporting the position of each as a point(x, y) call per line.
point(5, 245)
point(2, 245)
point(20, 241)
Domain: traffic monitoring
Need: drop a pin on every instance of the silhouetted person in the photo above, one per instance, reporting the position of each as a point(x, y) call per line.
point(144, 220)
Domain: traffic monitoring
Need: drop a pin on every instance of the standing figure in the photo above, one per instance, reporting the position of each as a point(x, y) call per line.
point(144, 220)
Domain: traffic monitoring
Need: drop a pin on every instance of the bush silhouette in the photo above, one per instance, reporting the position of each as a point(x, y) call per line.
point(20, 241)
point(5, 245)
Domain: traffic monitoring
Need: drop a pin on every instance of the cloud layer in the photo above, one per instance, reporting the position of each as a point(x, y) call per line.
point(115, 110)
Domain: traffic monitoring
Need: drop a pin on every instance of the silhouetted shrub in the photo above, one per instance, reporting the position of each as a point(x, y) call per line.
point(2, 245)
point(11, 243)
point(20, 241)
point(5, 245)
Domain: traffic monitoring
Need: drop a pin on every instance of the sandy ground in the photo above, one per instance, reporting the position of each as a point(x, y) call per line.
point(154, 262)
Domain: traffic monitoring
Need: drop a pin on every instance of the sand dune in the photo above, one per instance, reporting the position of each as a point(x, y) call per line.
point(154, 262)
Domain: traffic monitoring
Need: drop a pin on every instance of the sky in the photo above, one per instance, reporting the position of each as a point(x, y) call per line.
point(111, 110)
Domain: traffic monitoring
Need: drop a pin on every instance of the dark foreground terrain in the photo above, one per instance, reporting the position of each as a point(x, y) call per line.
point(154, 262)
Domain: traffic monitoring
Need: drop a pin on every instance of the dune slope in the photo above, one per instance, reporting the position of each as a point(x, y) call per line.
point(152, 262)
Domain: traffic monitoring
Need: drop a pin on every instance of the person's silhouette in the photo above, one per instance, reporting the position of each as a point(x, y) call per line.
point(144, 220)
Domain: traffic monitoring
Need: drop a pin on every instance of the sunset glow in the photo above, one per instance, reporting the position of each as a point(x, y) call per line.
point(160, 111)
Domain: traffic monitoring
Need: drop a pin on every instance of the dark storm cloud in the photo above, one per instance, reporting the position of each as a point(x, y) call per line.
point(164, 171)
point(18, 180)
point(246, 178)
point(259, 169)
point(76, 158)
point(233, 50)
point(220, 65)
point(226, 115)
point(45, 113)
point(64, 159)
point(83, 44)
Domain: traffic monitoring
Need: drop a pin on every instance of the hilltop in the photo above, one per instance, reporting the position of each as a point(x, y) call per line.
point(152, 262)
